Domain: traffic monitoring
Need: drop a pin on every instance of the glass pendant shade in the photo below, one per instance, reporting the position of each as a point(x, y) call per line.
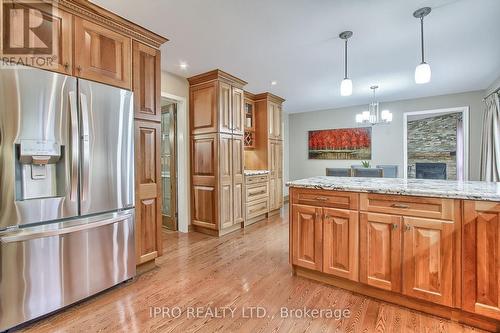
point(423, 73)
point(346, 87)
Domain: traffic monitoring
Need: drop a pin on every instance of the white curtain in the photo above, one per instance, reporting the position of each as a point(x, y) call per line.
point(490, 145)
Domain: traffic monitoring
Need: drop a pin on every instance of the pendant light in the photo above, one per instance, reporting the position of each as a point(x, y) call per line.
point(346, 85)
point(423, 71)
point(373, 116)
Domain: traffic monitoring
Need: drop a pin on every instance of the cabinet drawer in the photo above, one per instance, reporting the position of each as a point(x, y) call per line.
point(326, 198)
point(256, 179)
point(437, 208)
point(257, 208)
point(257, 191)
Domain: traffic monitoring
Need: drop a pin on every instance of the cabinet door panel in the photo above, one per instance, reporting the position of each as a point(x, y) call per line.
point(237, 111)
point(307, 231)
point(225, 112)
point(428, 259)
point(146, 82)
point(380, 251)
point(52, 39)
point(226, 180)
point(203, 108)
point(272, 194)
point(340, 243)
point(277, 122)
point(102, 55)
point(148, 191)
point(238, 179)
point(481, 259)
point(271, 120)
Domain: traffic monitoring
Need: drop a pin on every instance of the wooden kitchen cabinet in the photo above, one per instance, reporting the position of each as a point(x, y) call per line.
point(340, 243)
point(54, 32)
point(148, 191)
point(428, 259)
point(307, 233)
point(380, 251)
point(217, 154)
point(481, 258)
point(102, 54)
point(146, 82)
point(216, 103)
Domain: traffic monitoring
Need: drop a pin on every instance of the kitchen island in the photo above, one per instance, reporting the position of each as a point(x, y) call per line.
point(430, 245)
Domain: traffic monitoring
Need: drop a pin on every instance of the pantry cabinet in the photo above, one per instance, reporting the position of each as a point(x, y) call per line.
point(217, 154)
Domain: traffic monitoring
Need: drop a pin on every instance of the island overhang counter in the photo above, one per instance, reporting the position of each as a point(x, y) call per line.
point(430, 245)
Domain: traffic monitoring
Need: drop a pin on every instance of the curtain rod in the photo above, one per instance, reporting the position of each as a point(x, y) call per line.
point(496, 91)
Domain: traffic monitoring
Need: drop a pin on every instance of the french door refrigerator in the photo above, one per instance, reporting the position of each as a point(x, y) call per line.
point(66, 191)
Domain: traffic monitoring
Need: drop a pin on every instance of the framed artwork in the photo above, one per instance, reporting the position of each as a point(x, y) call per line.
point(341, 144)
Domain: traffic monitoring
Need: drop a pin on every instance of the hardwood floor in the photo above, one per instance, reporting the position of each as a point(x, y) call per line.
point(247, 268)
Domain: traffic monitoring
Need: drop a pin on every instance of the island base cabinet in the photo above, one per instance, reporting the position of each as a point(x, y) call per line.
point(481, 258)
point(380, 251)
point(448, 266)
point(428, 260)
point(307, 232)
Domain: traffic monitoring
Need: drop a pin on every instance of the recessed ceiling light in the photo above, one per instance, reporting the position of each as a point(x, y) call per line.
point(183, 65)
point(273, 83)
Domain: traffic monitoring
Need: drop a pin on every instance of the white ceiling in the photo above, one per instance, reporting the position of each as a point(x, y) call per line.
point(295, 42)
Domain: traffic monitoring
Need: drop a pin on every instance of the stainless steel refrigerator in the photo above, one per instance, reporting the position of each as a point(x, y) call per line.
point(66, 191)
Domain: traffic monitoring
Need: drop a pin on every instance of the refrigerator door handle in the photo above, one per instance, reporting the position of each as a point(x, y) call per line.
point(85, 147)
point(74, 145)
point(26, 235)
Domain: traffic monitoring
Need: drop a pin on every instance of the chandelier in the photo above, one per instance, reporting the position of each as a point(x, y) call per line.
point(374, 116)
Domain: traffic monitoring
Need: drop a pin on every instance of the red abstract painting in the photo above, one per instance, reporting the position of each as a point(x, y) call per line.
point(341, 144)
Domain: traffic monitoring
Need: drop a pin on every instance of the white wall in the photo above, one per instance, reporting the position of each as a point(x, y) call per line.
point(387, 140)
point(176, 87)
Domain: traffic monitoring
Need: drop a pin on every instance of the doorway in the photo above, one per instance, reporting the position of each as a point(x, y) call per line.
point(169, 163)
point(436, 144)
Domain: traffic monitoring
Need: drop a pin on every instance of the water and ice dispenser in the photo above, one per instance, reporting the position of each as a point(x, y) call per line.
point(40, 171)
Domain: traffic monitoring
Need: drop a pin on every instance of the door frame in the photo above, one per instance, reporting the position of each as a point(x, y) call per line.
point(465, 117)
point(182, 150)
point(173, 163)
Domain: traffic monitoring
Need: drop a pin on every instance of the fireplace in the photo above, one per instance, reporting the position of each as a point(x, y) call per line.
point(431, 170)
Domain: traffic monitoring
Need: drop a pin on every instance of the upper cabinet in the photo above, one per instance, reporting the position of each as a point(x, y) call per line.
point(82, 39)
point(268, 114)
point(53, 33)
point(216, 103)
point(102, 55)
point(146, 82)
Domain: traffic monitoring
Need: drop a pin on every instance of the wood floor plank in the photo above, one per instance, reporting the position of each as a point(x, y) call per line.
point(248, 268)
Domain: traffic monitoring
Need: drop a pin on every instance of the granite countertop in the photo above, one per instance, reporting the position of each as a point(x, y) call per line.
point(255, 172)
point(474, 190)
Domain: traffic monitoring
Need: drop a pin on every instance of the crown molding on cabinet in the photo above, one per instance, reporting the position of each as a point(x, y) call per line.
point(99, 15)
